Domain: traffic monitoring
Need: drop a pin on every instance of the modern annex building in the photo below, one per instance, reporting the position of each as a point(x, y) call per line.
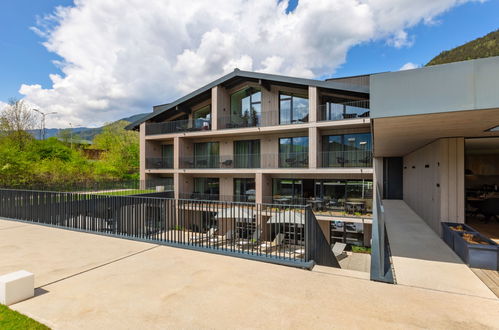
point(427, 138)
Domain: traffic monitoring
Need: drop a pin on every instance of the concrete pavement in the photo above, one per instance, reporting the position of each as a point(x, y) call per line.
point(422, 259)
point(102, 283)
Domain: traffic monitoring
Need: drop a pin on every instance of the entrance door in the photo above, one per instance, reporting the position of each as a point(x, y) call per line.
point(393, 178)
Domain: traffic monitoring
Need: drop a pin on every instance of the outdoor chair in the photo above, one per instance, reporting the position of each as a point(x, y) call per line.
point(227, 237)
point(365, 114)
point(339, 250)
point(227, 163)
point(209, 235)
point(278, 240)
point(255, 238)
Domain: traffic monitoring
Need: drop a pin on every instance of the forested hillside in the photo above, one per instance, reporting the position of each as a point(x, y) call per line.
point(486, 46)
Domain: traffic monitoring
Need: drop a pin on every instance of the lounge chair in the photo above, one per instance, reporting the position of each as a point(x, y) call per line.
point(203, 237)
point(339, 250)
point(255, 238)
point(275, 243)
point(227, 237)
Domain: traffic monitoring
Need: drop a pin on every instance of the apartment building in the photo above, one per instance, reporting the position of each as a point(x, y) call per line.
point(254, 137)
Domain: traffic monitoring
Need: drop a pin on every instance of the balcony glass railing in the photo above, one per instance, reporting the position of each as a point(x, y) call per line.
point(288, 160)
point(346, 159)
point(178, 126)
point(263, 119)
point(159, 163)
point(342, 111)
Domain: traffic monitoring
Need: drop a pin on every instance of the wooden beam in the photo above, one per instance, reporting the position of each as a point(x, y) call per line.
point(264, 83)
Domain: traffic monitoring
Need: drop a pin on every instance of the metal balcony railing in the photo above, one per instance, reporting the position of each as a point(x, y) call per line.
point(178, 126)
point(342, 111)
point(287, 160)
point(159, 163)
point(346, 159)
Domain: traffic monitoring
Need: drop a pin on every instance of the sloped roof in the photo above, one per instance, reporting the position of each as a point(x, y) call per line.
point(160, 109)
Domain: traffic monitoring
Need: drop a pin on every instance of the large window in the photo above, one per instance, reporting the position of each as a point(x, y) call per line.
point(287, 191)
point(348, 150)
point(245, 108)
point(244, 190)
point(293, 108)
point(334, 108)
point(206, 155)
point(167, 155)
point(293, 152)
point(247, 154)
point(206, 188)
point(202, 118)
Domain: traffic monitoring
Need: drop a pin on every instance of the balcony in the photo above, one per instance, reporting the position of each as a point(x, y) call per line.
point(343, 111)
point(178, 126)
point(159, 163)
point(263, 119)
point(346, 159)
point(289, 160)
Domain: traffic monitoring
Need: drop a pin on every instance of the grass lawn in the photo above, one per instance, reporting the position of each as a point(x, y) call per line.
point(12, 320)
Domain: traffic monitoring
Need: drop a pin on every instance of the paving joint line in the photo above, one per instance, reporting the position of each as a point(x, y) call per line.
point(98, 266)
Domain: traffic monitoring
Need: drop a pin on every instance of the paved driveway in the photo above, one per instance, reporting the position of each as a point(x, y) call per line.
point(107, 283)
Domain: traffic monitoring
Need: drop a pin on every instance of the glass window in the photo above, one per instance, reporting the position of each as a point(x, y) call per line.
point(167, 155)
point(246, 108)
point(247, 154)
point(206, 155)
point(293, 108)
point(334, 108)
point(206, 188)
point(348, 150)
point(244, 190)
point(287, 191)
point(293, 152)
point(202, 117)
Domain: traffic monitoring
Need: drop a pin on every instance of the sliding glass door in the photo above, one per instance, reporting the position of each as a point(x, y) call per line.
point(293, 108)
point(206, 188)
point(348, 150)
point(247, 154)
point(167, 155)
point(207, 155)
point(245, 108)
point(244, 190)
point(202, 118)
point(293, 152)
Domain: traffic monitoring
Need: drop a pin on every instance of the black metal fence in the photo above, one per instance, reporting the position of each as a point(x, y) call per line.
point(273, 233)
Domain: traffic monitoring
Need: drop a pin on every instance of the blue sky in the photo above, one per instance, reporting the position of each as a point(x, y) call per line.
point(24, 60)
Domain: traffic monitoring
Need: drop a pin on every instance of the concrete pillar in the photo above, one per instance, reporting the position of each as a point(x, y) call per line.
point(142, 152)
point(177, 144)
point(313, 152)
point(313, 104)
point(226, 188)
point(216, 104)
point(263, 187)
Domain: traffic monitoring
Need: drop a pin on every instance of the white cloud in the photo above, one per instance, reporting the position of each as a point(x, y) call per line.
point(120, 57)
point(409, 66)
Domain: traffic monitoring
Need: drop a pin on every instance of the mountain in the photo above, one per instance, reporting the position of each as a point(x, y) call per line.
point(84, 133)
point(486, 46)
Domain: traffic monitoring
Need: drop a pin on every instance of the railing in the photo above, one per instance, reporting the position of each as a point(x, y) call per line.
point(286, 235)
point(354, 207)
point(263, 119)
point(218, 197)
point(381, 267)
point(127, 187)
point(346, 110)
point(288, 160)
point(346, 159)
point(177, 126)
point(159, 163)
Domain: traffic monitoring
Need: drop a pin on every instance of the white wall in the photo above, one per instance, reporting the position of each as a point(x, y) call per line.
point(466, 85)
point(434, 181)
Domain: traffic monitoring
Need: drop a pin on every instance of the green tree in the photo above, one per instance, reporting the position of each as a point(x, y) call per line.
point(15, 120)
point(121, 156)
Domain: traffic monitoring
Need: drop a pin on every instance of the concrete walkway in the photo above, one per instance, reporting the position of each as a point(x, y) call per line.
point(422, 259)
point(94, 282)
